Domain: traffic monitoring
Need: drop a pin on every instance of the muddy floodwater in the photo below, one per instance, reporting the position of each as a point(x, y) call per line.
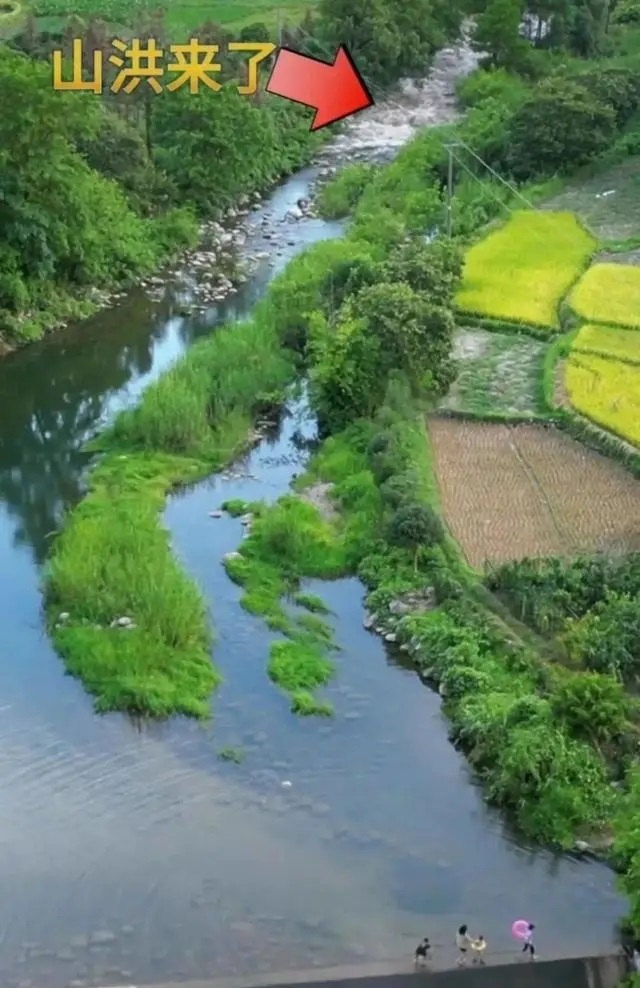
point(131, 853)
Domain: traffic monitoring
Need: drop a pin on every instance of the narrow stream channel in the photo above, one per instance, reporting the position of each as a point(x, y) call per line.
point(132, 853)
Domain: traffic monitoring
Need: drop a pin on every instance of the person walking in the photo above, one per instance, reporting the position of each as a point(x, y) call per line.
point(423, 952)
point(478, 946)
point(528, 946)
point(463, 941)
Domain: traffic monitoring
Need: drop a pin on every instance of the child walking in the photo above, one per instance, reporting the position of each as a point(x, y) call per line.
point(529, 947)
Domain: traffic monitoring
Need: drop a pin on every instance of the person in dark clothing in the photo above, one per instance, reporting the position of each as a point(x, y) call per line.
point(423, 951)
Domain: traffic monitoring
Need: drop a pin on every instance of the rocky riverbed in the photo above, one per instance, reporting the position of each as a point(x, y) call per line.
point(223, 262)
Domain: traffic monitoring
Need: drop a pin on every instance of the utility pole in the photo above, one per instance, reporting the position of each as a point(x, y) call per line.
point(449, 189)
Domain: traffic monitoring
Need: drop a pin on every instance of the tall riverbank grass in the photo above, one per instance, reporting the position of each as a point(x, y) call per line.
point(113, 559)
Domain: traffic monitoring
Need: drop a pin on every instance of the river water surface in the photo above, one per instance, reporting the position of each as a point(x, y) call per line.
point(132, 853)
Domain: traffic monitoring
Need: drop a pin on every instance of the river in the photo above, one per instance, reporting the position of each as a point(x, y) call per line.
point(131, 853)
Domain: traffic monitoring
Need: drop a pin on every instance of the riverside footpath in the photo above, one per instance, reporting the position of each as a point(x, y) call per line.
point(604, 971)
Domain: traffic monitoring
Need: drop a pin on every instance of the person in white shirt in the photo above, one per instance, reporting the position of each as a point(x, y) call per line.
point(528, 946)
point(462, 943)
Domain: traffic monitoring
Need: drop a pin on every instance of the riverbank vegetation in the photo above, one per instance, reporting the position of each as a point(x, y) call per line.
point(113, 560)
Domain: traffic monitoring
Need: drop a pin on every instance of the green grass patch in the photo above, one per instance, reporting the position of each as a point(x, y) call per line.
point(235, 755)
point(299, 665)
point(522, 270)
point(289, 541)
point(113, 558)
point(311, 601)
point(307, 705)
point(236, 507)
point(315, 626)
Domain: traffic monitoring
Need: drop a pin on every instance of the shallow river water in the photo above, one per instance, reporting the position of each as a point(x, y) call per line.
point(132, 853)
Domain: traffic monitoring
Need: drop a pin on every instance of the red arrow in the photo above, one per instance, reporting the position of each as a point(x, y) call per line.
point(335, 90)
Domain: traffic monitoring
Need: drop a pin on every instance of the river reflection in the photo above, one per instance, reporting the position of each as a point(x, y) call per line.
point(132, 852)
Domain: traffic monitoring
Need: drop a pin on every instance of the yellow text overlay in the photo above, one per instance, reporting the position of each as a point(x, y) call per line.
point(194, 64)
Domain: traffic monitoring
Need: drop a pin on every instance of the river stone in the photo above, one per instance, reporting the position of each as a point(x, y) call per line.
point(369, 621)
point(582, 846)
point(215, 514)
point(390, 637)
point(232, 555)
point(102, 937)
point(121, 622)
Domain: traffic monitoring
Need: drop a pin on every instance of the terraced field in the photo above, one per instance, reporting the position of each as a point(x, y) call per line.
point(525, 490)
point(607, 392)
point(606, 341)
point(521, 271)
point(609, 294)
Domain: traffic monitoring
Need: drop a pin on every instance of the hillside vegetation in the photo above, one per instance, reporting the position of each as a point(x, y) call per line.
point(98, 191)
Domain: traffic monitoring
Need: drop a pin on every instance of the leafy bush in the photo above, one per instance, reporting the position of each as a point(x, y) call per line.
point(626, 12)
point(459, 680)
point(496, 84)
point(593, 706)
point(545, 592)
point(616, 87)
point(607, 638)
point(414, 526)
point(339, 197)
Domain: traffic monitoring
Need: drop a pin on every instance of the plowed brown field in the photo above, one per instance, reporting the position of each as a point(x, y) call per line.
point(514, 491)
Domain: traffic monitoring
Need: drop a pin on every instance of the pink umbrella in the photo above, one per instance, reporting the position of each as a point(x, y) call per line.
point(520, 929)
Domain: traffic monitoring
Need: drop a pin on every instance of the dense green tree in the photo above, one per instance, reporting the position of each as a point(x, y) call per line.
point(559, 127)
point(498, 34)
point(59, 220)
point(433, 269)
point(389, 38)
point(414, 527)
point(415, 333)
